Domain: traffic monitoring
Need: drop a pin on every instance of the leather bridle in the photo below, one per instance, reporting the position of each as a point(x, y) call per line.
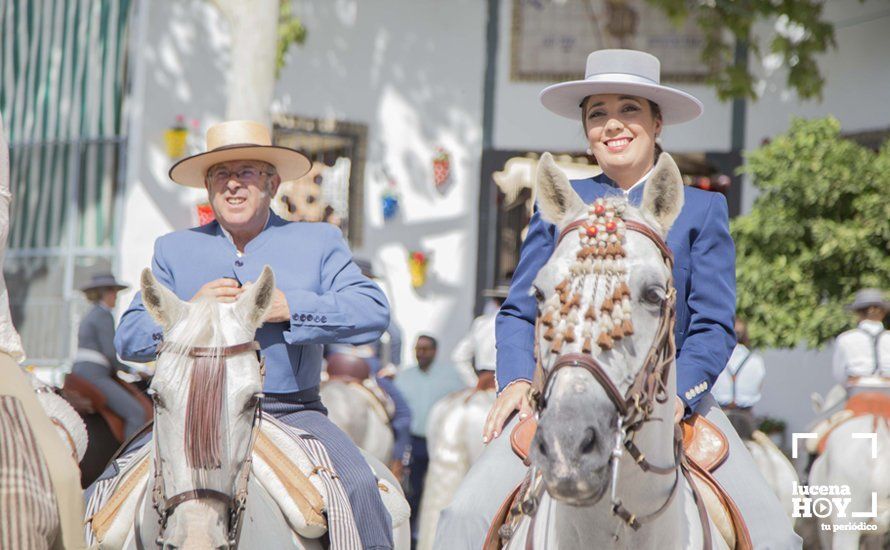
point(234, 503)
point(649, 387)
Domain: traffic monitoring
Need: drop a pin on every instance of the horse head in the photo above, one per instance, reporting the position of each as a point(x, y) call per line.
point(605, 298)
point(206, 393)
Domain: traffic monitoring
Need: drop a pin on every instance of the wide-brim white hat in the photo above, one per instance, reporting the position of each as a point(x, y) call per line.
point(629, 72)
point(240, 140)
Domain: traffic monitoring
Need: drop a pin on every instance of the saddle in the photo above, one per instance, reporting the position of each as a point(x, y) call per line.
point(865, 403)
point(297, 477)
point(705, 447)
point(86, 398)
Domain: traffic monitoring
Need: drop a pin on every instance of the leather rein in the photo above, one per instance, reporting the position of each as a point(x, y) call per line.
point(234, 503)
point(636, 406)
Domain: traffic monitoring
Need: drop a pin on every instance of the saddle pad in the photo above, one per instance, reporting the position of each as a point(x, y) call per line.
point(113, 496)
point(521, 437)
point(872, 402)
point(704, 443)
point(722, 510)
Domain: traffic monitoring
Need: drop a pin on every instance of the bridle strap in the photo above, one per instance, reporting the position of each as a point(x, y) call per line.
point(591, 365)
point(633, 225)
point(197, 494)
point(197, 351)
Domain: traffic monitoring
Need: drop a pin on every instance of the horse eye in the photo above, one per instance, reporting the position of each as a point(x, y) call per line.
point(539, 296)
point(653, 295)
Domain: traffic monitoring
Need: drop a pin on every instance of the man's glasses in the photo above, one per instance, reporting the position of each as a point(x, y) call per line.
point(248, 174)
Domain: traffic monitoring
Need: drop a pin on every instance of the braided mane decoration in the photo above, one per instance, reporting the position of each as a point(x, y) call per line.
point(602, 253)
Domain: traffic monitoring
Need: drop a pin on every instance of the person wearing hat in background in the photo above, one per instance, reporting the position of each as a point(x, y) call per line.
point(474, 357)
point(622, 108)
point(321, 295)
point(864, 350)
point(96, 359)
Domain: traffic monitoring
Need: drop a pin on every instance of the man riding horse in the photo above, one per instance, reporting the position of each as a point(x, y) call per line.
point(321, 295)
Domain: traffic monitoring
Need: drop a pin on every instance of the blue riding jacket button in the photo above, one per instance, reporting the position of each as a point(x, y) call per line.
point(239, 263)
point(302, 317)
point(324, 319)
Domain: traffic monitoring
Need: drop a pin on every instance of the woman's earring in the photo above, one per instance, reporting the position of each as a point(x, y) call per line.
point(589, 152)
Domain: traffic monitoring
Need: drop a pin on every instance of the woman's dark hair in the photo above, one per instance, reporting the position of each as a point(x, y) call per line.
point(656, 114)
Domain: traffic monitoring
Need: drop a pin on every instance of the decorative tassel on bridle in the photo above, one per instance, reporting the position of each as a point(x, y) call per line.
point(203, 412)
point(602, 254)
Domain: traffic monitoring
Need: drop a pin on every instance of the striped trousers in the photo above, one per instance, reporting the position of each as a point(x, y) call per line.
point(372, 519)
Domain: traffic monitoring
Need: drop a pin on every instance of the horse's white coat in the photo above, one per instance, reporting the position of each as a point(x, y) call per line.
point(591, 524)
point(848, 461)
point(454, 442)
point(776, 469)
point(351, 409)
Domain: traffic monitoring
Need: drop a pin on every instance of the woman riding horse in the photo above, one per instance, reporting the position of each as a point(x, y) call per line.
point(623, 109)
point(96, 359)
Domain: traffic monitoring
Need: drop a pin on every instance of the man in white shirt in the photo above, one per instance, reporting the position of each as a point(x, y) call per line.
point(423, 385)
point(864, 350)
point(738, 387)
point(476, 351)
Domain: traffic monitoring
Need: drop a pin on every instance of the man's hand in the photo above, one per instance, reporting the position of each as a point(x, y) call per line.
point(223, 290)
point(278, 311)
point(513, 398)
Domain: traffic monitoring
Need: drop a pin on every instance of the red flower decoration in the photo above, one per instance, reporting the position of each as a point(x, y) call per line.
point(611, 226)
point(599, 209)
point(591, 231)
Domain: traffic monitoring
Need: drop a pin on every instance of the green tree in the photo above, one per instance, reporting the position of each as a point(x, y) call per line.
point(290, 31)
point(819, 231)
point(801, 34)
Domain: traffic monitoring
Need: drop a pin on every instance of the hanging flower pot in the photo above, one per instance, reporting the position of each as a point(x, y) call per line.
point(205, 213)
point(389, 202)
point(417, 266)
point(176, 137)
point(441, 168)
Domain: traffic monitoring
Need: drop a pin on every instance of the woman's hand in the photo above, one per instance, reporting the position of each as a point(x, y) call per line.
point(679, 409)
point(513, 398)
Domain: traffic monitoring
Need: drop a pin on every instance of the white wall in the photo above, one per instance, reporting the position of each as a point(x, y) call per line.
point(412, 71)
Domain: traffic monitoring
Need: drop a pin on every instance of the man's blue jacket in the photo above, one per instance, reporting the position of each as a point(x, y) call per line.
point(329, 299)
point(704, 276)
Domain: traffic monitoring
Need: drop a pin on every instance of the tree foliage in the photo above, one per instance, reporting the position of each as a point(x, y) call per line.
point(819, 231)
point(801, 34)
point(290, 31)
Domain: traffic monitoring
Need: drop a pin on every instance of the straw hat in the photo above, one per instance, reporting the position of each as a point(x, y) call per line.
point(239, 140)
point(868, 297)
point(627, 72)
point(103, 280)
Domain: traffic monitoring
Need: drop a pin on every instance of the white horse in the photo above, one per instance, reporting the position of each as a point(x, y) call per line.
point(856, 460)
point(619, 325)
point(454, 444)
point(357, 411)
point(206, 391)
point(775, 468)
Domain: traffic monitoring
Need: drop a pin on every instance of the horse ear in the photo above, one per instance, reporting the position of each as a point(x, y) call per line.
point(557, 201)
point(255, 301)
point(165, 307)
point(663, 195)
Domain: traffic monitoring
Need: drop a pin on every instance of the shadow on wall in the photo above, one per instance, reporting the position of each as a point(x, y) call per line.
point(419, 84)
point(186, 51)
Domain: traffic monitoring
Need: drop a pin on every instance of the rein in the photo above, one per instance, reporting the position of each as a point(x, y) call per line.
point(636, 406)
point(234, 503)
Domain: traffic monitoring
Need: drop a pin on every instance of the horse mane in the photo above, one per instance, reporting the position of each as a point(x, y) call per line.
point(207, 384)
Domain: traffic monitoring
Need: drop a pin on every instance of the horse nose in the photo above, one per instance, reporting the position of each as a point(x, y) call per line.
point(588, 441)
